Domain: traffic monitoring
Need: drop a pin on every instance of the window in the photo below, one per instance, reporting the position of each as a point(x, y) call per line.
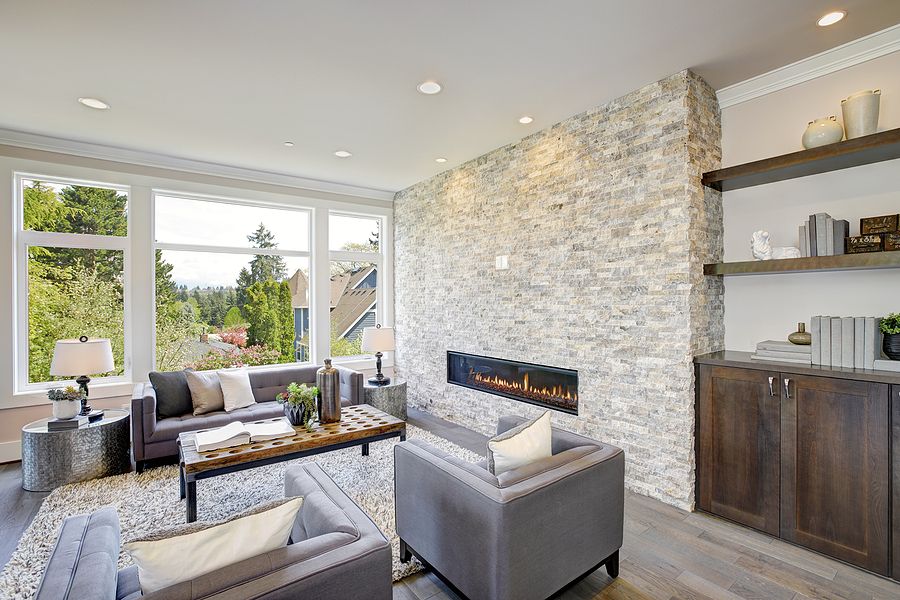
point(232, 283)
point(71, 257)
point(353, 242)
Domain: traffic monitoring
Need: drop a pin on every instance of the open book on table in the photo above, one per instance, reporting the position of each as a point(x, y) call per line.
point(237, 433)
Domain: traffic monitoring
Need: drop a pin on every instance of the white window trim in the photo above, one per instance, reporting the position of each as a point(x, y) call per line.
point(24, 239)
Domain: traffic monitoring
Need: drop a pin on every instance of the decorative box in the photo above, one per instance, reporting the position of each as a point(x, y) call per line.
point(892, 241)
point(885, 224)
point(864, 243)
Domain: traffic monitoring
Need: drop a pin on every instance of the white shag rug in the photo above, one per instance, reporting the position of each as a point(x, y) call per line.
point(150, 500)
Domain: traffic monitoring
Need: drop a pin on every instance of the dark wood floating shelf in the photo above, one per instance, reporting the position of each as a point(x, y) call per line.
point(843, 262)
point(865, 150)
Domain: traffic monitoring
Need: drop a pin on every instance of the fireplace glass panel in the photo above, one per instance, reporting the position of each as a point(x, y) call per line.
point(550, 387)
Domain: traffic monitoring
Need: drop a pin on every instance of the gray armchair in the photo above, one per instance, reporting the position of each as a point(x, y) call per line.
point(522, 535)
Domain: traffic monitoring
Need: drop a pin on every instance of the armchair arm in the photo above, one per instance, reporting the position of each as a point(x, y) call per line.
point(499, 537)
point(143, 417)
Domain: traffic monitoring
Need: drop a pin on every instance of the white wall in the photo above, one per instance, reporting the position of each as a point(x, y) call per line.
point(762, 307)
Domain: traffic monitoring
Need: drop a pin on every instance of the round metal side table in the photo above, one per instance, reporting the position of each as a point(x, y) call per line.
point(54, 458)
point(390, 398)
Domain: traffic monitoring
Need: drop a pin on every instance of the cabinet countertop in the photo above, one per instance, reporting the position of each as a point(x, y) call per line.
point(733, 358)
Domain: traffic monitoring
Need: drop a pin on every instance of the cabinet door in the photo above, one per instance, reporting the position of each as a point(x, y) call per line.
point(738, 446)
point(835, 474)
point(895, 485)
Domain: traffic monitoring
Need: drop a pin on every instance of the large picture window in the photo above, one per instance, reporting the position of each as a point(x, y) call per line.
point(232, 281)
point(71, 242)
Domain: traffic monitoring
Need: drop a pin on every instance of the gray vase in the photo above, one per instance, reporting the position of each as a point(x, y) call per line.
point(860, 112)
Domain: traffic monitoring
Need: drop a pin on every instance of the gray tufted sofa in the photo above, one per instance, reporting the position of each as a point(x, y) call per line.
point(154, 437)
point(335, 552)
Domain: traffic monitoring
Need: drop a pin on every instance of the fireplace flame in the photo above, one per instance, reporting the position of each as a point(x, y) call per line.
point(554, 394)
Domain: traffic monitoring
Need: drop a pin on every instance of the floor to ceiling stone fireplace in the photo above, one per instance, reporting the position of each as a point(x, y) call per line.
point(603, 228)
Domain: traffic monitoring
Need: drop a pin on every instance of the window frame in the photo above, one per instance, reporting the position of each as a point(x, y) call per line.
point(363, 361)
point(212, 249)
point(24, 238)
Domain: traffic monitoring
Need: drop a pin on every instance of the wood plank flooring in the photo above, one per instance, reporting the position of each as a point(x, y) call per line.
point(668, 553)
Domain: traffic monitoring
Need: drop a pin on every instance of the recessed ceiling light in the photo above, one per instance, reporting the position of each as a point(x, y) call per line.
point(441, 159)
point(343, 153)
point(289, 144)
point(94, 103)
point(429, 87)
point(526, 120)
point(831, 18)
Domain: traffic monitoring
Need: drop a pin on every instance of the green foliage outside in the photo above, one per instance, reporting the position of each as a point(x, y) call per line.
point(233, 317)
point(341, 346)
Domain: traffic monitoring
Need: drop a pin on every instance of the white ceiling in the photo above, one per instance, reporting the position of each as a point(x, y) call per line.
point(227, 82)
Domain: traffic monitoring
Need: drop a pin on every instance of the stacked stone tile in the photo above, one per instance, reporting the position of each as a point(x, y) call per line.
point(607, 228)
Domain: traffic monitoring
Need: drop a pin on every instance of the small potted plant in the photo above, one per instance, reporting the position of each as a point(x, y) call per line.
point(890, 327)
point(299, 404)
point(66, 402)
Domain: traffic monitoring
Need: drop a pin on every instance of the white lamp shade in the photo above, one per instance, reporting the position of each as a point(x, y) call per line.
point(73, 358)
point(378, 339)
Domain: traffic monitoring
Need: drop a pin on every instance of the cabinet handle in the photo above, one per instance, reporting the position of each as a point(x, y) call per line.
point(787, 388)
point(771, 389)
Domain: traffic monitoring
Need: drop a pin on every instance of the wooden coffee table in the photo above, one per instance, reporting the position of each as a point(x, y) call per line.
point(359, 426)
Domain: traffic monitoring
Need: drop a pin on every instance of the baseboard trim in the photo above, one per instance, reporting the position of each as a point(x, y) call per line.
point(850, 54)
point(10, 451)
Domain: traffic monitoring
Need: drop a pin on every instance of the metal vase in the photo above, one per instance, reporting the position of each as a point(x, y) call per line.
point(328, 380)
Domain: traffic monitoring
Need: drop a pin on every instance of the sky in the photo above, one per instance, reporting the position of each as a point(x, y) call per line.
point(183, 221)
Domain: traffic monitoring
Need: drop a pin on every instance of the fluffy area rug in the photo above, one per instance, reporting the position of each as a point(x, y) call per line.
point(147, 501)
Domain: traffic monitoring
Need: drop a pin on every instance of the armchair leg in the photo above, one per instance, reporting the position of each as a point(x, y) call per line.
point(405, 554)
point(612, 564)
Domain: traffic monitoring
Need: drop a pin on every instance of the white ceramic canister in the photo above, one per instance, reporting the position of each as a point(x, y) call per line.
point(66, 409)
point(822, 132)
point(860, 112)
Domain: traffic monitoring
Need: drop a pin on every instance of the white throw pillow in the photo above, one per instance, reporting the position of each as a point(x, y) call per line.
point(187, 551)
point(522, 445)
point(236, 389)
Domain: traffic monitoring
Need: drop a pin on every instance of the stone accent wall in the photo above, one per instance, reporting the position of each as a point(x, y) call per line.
point(607, 227)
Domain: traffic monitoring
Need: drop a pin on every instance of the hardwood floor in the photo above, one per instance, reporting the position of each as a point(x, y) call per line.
point(668, 553)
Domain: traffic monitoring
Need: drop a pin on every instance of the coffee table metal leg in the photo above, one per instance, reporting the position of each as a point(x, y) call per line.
point(191, 505)
point(365, 449)
point(181, 480)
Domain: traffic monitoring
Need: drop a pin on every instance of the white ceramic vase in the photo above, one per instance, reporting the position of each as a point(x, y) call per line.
point(860, 112)
point(821, 132)
point(66, 409)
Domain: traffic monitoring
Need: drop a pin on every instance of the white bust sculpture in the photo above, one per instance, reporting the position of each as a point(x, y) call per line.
point(762, 250)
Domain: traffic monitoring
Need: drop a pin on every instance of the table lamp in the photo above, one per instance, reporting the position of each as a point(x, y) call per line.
point(82, 357)
point(378, 339)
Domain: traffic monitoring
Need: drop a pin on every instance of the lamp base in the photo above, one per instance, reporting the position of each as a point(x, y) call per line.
point(379, 380)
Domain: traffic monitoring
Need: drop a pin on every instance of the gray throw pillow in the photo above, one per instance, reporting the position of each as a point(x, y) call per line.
point(173, 396)
point(206, 393)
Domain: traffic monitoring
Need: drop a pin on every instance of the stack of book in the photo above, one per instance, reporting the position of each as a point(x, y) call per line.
point(823, 236)
point(62, 424)
point(849, 342)
point(777, 351)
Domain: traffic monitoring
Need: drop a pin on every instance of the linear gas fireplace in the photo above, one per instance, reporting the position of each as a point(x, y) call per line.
point(550, 387)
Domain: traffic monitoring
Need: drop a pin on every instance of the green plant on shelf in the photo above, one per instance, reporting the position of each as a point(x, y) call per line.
point(890, 324)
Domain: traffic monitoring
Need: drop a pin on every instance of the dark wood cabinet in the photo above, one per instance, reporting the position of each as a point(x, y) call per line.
point(809, 454)
point(835, 469)
point(738, 445)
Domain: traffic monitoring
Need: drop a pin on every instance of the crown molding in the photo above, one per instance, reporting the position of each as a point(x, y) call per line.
point(44, 143)
point(850, 54)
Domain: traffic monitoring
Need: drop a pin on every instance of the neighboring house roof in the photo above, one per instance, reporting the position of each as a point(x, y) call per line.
point(349, 303)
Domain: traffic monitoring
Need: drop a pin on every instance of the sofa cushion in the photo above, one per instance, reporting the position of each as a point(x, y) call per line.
point(236, 390)
point(206, 392)
point(83, 562)
point(184, 552)
point(173, 396)
point(522, 445)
